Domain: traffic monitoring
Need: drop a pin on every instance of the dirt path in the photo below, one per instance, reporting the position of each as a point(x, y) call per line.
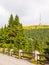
point(7, 60)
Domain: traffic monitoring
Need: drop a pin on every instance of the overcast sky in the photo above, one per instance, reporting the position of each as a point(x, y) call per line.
point(29, 11)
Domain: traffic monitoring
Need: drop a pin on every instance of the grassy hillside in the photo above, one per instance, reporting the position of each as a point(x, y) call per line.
point(36, 27)
point(40, 32)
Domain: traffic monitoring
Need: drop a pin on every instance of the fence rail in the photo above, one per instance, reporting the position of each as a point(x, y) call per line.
point(46, 61)
point(26, 55)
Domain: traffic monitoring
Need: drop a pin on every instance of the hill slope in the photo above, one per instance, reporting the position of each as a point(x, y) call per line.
point(36, 27)
point(39, 36)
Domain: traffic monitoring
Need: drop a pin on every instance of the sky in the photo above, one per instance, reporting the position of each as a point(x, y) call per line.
point(30, 12)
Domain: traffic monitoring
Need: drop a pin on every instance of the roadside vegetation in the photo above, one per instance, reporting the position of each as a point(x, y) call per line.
point(15, 36)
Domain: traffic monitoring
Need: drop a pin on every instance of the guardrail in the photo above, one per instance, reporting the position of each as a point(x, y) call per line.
point(45, 61)
point(26, 55)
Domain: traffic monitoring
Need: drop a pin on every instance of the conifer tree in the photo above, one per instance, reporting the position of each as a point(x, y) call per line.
point(11, 20)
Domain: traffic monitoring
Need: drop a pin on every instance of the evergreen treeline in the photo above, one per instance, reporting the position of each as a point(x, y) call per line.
point(12, 36)
point(40, 39)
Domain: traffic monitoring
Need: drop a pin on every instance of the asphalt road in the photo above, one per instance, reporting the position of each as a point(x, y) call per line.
point(8, 60)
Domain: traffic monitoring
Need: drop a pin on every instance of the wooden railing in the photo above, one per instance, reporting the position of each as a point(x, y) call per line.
point(44, 61)
point(21, 55)
point(27, 55)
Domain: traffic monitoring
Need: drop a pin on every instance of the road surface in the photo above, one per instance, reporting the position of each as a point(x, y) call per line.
point(8, 60)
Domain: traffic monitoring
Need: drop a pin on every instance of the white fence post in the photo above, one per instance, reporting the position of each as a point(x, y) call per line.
point(5, 50)
point(11, 52)
point(35, 55)
point(20, 54)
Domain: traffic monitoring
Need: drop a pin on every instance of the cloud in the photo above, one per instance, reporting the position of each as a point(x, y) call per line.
point(4, 15)
point(3, 11)
point(28, 10)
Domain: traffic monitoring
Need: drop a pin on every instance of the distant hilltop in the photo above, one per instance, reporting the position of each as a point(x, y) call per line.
point(36, 27)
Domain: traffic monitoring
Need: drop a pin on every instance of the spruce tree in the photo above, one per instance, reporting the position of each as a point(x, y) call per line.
point(15, 33)
point(11, 20)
